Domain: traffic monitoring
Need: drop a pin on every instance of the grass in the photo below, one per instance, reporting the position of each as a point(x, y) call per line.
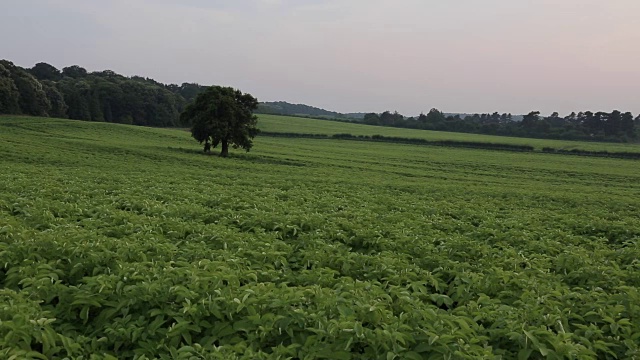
point(127, 242)
point(275, 123)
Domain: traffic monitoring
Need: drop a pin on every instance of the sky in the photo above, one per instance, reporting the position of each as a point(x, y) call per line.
point(465, 56)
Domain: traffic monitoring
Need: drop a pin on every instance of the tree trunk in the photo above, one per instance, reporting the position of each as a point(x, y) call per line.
point(225, 148)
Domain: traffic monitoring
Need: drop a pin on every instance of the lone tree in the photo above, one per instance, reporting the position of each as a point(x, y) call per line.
point(222, 115)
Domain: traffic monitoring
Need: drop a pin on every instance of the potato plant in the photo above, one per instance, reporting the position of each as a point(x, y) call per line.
point(120, 242)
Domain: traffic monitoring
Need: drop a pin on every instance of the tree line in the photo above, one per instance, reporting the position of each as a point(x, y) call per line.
point(288, 109)
point(74, 93)
point(601, 126)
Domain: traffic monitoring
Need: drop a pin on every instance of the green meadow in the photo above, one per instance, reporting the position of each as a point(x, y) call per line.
point(123, 242)
point(288, 124)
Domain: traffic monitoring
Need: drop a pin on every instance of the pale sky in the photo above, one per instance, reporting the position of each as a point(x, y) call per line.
point(352, 55)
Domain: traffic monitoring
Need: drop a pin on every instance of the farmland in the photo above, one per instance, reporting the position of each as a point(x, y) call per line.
point(127, 242)
point(284, 124)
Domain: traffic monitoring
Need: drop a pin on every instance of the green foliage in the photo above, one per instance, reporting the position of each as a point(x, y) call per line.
point(222, 115)
point(285, 108)
point(32, 98)
point(43, 71)
point(434, 118)
point(76, 95)
point(108, 97)
point(98, 96)
point(57, 106)
point(117, 243)
point(74, 71)
point(601, 126)
point(9, 94)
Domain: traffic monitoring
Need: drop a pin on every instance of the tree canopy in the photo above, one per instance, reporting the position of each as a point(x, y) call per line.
point(74, 93)
point(222, 115)
point(600, 126)
point(44, 71)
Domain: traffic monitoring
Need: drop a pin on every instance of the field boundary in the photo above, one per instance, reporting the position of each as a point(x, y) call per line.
point(457, 144)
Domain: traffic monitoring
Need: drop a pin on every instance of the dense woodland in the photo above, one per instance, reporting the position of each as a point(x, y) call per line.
point(587, 125)
point(74, 93)
point(285, 108)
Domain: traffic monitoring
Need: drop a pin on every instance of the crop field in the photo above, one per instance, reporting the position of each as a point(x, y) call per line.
point(122, 242)
point(283, 124)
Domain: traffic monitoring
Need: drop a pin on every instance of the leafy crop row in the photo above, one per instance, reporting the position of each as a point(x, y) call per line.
point(115, 245)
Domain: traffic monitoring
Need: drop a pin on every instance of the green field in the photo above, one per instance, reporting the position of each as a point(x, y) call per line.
point(127, 242)
point(275, 123)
